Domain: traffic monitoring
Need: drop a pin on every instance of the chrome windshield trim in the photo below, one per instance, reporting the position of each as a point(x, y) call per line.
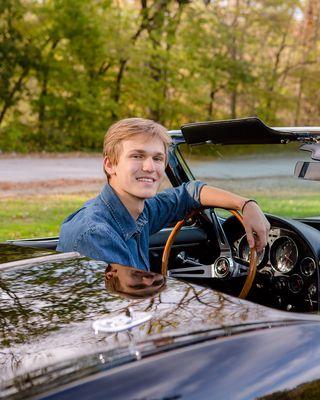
point(298, 129)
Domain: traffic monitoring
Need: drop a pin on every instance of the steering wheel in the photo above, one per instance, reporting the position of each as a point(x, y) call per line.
point(252, 258)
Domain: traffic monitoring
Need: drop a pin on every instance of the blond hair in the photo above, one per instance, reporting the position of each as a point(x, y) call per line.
point(126, 129)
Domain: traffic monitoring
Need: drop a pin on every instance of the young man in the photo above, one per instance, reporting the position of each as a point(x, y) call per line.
point(115, 226)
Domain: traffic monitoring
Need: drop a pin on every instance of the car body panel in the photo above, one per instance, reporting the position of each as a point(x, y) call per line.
point(17, 253)
point(47, 315)
point(248, 366)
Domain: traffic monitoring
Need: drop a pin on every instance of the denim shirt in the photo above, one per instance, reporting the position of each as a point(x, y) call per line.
point(103, 229)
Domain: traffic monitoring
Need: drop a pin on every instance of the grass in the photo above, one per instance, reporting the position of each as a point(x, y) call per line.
point(36, 216)
point(41, 216)
point(305, 206)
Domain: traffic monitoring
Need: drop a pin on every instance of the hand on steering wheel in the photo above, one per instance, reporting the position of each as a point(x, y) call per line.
point(252, 259)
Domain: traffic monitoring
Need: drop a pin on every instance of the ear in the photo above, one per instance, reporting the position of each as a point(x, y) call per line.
point(108, 166)
point(110, 274)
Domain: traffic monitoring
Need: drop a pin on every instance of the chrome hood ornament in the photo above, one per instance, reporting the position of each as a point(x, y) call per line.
point(121, 322)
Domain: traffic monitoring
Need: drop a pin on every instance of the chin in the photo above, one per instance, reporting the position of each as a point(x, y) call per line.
point(145, 194)
point(148, 195)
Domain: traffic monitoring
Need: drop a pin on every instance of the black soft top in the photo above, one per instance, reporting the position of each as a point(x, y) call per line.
point(237, 131)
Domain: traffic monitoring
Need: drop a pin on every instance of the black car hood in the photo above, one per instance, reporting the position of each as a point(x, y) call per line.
point(236, 131)
point(47, 310)
point(12, 253)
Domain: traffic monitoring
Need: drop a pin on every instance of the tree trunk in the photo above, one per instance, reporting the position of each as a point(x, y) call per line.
point(9, 101)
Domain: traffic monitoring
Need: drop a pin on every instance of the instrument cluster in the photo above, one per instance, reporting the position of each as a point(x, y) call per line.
point(286, 264)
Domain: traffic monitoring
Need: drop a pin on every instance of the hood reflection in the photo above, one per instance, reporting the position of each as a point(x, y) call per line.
point(133, 282)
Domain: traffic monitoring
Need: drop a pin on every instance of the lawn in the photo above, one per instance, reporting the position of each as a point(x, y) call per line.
point(41, 216)
point(36, 216)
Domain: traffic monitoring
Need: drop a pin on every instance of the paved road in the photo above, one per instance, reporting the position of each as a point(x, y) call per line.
point(24, 169)
point(21, 169)
point(241, 168)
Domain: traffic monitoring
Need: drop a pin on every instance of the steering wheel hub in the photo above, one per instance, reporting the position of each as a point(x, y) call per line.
point(222, 267)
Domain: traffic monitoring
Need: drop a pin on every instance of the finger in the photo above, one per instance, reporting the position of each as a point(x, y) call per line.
point(267, 232)
point(261, 235)
point(259, 245)
point(259, 253)
point(260, 242)
point(250, 240)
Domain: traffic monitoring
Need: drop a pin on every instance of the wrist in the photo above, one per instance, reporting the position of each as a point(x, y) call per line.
point(246, 203)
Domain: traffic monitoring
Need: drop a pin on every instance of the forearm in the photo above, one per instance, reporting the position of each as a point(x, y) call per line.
point(215, 197)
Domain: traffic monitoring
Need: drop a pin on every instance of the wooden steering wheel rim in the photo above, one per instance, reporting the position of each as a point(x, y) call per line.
point(252, 259)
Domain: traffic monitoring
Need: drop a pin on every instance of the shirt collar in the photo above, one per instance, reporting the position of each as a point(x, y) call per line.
point(120, 213)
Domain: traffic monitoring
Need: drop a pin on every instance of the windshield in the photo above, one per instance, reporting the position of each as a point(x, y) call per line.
point(262, 172)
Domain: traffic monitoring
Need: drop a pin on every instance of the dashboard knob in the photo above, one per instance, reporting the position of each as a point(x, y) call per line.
point(280, 284)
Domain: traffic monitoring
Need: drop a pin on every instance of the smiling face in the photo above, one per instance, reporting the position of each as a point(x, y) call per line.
point(134, 281)
point(140, 168)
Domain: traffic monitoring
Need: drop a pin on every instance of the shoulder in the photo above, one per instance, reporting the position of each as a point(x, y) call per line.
point(188, 189)
point(92, 212)
point(90, 219)
point(95, 232)
point(101, 242)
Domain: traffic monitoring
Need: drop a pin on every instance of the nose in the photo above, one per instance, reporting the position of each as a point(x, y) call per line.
point(148, 164)
point(148, 280)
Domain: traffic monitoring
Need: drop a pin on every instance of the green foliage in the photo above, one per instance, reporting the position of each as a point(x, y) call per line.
point(69, 68)
point(305, 391)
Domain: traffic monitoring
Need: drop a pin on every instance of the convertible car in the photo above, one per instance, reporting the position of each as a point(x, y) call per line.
point(212, 320)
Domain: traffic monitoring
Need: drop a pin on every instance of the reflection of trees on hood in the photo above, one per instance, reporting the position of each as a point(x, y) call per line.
point(310, 391)
point(48, 297)
point(47, 310)
point(195, 307)
point(53, 295)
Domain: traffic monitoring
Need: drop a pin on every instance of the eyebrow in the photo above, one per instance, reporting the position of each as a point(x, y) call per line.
point(144, 152)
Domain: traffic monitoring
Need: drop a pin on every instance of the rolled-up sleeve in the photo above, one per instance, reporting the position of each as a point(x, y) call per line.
point(174, 204)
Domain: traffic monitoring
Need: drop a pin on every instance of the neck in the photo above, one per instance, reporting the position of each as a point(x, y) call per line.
point(133, 204)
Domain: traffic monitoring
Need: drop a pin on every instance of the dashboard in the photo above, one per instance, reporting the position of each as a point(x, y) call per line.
point(287, 269)
point(287, 275)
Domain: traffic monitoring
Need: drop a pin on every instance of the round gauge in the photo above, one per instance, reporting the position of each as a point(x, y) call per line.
point(283, 254)
point(308, 266)
point(295, 283)
point(312, 290)
point(244, 251)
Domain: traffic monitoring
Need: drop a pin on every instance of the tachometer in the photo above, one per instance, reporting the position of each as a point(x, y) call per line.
point(283, 254)
point(244, 251)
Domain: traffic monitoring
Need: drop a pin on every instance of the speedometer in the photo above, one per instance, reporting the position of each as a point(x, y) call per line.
point(283, 254)
point(244, 251)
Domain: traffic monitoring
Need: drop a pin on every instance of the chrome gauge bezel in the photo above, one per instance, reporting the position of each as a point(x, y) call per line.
point(308, 259)
point(274, 258)
point(243, 243)
point(293, 281)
